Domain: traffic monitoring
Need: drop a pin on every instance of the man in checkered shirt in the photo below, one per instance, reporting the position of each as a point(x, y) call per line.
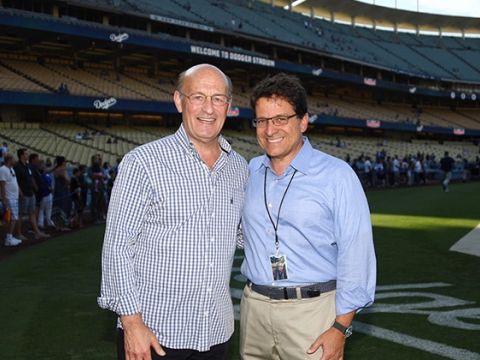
point(171, 232)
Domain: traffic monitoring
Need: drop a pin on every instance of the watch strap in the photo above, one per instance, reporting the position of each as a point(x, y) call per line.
point(345, 330)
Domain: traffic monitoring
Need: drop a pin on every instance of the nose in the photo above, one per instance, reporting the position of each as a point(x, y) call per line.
point(270, 129)
point(208, 105)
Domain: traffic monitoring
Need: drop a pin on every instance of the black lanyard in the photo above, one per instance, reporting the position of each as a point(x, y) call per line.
point(275, 226)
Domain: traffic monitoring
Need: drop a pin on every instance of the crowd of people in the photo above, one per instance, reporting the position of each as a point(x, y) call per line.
point(385, 170)
point(48, 195)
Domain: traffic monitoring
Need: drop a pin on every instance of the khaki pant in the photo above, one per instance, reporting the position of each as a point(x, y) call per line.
point(283, 329)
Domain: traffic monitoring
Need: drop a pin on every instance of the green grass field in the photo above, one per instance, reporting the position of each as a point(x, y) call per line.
point(428, 298)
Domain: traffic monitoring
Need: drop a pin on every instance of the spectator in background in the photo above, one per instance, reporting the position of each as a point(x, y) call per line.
point(446, 165)
point(97, 171)
point(33, 162)
point(45, 212)
point(106, 169)
point(368, 171)
point(115, 168)
point(396, 170)
point(97, 203)
point(27, 199)
point(3, 151)
point(466, 170)
point(76, 193)
point(379, 173)
point(62, 201)
point(9, 191)
point(83, 180)
point(417, 170)
point(110, 182)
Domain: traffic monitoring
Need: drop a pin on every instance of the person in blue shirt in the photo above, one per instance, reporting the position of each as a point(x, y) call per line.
point(307, 235)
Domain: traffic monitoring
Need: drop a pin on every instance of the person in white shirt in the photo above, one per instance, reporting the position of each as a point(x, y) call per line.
point(368, 171)
point(417, 170)
point(9, 191)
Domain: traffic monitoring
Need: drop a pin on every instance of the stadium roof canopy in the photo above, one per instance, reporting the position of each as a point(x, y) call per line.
point(356, 12)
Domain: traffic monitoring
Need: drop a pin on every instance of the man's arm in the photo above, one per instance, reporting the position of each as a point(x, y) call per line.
point(119, 291)
point(332, 341)
point(4, 199)
point(356, 264)
point(139, 338)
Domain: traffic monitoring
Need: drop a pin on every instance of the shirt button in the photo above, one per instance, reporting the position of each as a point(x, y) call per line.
point(276, 181)
point(209, 290)
point(206, 313)
point(269, 231)
point(211, 264)
point(270, 205)
point(213, 215)
point(212, 239)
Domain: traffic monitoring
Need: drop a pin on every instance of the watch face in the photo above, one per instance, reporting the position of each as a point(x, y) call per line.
point(348, 331)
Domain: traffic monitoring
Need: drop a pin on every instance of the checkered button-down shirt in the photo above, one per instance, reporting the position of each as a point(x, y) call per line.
point(170, 241)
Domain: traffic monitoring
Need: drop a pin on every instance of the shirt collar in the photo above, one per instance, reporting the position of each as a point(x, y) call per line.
point(301, 161)
point(183, 139)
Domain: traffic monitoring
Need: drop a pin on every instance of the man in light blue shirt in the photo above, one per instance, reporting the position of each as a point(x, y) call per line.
point(309, 255)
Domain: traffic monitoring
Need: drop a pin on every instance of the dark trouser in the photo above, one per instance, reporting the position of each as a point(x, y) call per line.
point(96, 206)
point(217, 352)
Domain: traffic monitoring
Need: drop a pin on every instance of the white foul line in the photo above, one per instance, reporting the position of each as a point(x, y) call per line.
point(406, 340)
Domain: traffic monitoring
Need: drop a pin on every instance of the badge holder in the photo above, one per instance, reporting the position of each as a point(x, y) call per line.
point(279, 267)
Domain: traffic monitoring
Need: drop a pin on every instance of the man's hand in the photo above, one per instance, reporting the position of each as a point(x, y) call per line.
point(332, 342)
point(139, 339)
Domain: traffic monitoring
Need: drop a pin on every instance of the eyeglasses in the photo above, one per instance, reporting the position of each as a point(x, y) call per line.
point(199, 99)
point(276, 120)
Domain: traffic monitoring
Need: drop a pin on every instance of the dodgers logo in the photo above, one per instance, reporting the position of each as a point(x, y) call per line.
point(105, 104)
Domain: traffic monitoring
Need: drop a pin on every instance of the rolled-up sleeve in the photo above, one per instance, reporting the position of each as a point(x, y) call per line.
point(356, 262)
point(126, 212)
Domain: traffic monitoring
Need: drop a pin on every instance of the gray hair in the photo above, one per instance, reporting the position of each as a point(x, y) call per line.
point(8, 156)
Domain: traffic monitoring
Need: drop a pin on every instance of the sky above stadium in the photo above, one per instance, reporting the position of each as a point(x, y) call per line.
point(445, 7)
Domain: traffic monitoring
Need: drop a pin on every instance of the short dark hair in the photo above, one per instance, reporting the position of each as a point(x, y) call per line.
point(81, 167)
point(20, 152)
point(59, 160)
point(75, 170)
point(32, 157)
point(284, 86)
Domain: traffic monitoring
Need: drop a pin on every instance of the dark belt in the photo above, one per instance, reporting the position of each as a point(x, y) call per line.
point(290, 292)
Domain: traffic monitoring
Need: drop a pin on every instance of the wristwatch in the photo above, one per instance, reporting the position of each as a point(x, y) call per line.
point(345, 330)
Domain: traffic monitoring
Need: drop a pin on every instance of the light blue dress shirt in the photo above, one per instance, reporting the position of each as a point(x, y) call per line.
point(324, 227)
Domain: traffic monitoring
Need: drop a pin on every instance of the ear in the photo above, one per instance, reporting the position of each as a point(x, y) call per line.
point(304, 123)
point(229, 104)
point(178, 101)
